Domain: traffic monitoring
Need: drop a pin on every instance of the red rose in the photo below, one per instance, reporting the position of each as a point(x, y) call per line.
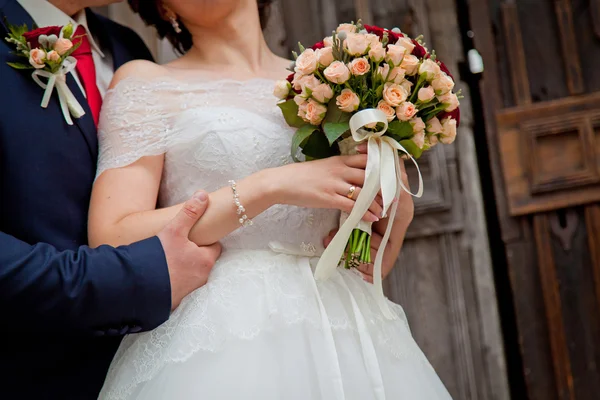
point(317, 46)
point(375, 30)
point(419, 51)
point(32, 36)
point(290, 77)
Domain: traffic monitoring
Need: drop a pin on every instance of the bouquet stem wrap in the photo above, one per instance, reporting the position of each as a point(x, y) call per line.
point(383, 174)
point(68, 103)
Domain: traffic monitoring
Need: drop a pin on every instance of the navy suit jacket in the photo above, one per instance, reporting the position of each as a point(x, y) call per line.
point(63, 306)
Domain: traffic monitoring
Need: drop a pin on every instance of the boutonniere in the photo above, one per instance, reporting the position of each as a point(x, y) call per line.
point(49, 52)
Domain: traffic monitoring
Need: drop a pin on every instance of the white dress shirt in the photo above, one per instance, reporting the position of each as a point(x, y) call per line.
point(46, 14)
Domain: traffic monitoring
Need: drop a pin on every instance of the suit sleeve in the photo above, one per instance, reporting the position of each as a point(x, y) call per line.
point(87, 291)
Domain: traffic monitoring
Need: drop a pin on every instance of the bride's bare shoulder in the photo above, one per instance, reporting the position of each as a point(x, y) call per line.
point(141, 69)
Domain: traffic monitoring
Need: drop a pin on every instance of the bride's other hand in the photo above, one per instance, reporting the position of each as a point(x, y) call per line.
point(325, 183)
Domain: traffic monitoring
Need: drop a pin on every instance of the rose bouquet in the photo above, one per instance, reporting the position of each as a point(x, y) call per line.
point(367, 84)
point(49, 53)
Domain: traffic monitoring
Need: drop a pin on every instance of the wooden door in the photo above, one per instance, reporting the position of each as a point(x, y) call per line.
point(541, 100)
point(443, 277)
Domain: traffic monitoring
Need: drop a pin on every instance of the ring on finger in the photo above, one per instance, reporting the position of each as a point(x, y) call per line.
point(351, 191)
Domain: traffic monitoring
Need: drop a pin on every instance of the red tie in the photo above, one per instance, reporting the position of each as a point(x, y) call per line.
point(87, 72)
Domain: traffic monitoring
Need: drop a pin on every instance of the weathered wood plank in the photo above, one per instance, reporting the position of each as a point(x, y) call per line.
point(569, 46)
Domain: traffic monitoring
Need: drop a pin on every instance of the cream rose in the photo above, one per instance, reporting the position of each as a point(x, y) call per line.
point(281, 91)
point(383, 71)
point(36, 58)
point(387, 110)
point(322, 93)
point(307, 62)
point(394, 94)
point(315, 112)
point(309, 82)
point(53, 56)
point(337, 72)
point(406, 111)
point(62, 46)
point(426, 94)
point(348, 101)
point(410, 64)
point(430, 141)
point(356, 44)
point(419, 139)
point(349, 28)
point(359, 66)
point(429, 69)
point(417, 124)
point(407, 43)
point(396, 75)
point(395, 54)
point(450, 100)
point(442, 84)
point(407, 85)
point(377, 52)
point(299, 100)
point(434, 126)
point(448, 131)
point(328, 41)
point(325, 56)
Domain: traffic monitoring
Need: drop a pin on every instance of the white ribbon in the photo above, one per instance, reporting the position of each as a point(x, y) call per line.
point(68, 103)
point(383, 174)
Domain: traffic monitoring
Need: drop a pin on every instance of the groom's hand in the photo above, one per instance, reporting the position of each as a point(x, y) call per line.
point(189, 264)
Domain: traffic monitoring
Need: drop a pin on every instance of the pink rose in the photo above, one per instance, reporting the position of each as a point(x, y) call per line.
point(395, 54)
point(448, 131)
point(299, 100)
point(372, 39)
point(394, 94)
point(396, 75)
point(54, 57)
point(450, 100)
point(308, 82)
point(442, 84)
point(337, 72)
point(325, 56)
point(407, 85)
point(360, 66)
point(356, 44)
point(434, 126)
point(387, 110)
point(377, 52)
point(62, 46)
point(281, 91)
point(417, 124)
point(36, 58)
point(407, 43)
point(410, 64)
point(348, 101)
point(426, 94)
point(322, 93)
point(383, 71)
point(315, 112)
point(348, 28)
point(429, 69)
point(307, 62)
point(328, 41)
point(301, 81)
point(430, 141)
point(406, 111)
point(419, 139)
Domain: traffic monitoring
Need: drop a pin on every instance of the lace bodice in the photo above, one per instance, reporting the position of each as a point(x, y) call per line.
point(210, 132)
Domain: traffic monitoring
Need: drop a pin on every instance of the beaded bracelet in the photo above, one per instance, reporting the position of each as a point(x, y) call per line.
point(241, 211)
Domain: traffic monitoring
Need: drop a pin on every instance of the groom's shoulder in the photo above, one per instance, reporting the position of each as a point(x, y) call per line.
point(126, 36)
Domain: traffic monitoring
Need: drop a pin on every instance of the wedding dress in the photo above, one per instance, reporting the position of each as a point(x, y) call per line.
point(262, 327)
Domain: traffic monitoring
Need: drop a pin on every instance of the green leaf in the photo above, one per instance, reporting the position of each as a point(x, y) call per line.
point(333, 130)
point(290, 113)
point(300, 137)
point(334, 114)
point(19, 65)
point(317, 146)
point(412, 148)
point(400, 130)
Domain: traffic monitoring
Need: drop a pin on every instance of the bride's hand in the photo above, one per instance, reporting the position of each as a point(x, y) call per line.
point(325, 184)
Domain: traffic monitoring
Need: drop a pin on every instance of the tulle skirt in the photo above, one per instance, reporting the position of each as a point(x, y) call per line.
point(262, 328)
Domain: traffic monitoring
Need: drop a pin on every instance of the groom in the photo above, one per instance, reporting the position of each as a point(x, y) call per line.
point(63, 306)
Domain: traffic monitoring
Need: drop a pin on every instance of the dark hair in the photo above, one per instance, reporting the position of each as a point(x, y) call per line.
point(151, 13)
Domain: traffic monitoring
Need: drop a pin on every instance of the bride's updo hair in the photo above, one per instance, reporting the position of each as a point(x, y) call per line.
point(152, 14)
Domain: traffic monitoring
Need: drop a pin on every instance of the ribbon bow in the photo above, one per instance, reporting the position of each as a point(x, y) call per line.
point(383, 174)
point(68, 103)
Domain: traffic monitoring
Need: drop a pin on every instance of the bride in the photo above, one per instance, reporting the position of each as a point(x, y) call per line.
point(262, 327)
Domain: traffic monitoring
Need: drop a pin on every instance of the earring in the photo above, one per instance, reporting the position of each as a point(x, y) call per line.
point(175, 24)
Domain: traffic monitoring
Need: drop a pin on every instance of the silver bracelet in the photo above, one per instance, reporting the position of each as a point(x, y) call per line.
point(241, 211)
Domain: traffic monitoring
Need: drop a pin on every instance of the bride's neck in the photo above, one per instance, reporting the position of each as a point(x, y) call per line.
point(236, 41)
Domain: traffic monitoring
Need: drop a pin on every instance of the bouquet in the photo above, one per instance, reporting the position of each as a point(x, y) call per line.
point(49, 53)
point(368, 84)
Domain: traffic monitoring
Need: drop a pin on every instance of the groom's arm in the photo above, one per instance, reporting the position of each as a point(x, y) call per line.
point(88, 291)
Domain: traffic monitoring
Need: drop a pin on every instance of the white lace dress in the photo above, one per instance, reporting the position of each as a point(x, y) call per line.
point(261, 328)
